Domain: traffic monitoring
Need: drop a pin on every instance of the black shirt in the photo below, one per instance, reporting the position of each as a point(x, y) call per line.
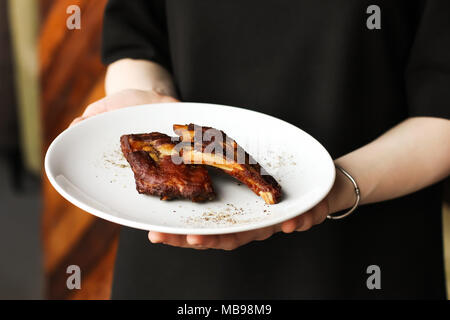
point(317, 65)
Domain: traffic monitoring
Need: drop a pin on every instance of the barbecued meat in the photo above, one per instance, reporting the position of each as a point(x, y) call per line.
point(150, 158)
point(209, 146)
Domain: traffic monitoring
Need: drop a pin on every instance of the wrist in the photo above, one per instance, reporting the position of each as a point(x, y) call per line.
point(139, 75)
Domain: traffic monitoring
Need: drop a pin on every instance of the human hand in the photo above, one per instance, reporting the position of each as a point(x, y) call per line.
point(235, 240)
point(123, 99)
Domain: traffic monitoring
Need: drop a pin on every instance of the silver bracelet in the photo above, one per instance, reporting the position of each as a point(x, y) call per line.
point(357, 192)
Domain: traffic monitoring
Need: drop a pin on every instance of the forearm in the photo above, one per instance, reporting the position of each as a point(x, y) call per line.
point(138, 74)
point(407, 158)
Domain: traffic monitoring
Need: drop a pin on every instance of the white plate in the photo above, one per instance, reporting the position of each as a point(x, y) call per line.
point(85, 165)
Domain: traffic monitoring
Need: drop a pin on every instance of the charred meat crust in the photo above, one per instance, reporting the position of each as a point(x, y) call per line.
point(246, 170)
point(156, 174)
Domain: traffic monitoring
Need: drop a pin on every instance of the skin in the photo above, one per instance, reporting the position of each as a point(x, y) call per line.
point(412, 155)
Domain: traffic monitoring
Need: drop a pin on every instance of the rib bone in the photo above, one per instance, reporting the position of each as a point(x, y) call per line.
point(209, 146)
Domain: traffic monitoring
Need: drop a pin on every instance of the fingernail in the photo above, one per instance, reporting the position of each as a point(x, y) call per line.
point(193, 240)
point(154, 238)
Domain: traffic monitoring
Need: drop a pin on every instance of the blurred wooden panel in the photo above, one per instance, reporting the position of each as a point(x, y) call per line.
point(71, 76)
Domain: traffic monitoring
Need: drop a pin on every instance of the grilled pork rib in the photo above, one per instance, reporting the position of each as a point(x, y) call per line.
point(149, 156)
point(209, 146)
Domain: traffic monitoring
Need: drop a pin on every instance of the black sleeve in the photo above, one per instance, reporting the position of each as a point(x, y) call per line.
point(135, 29)
point(428, 70)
